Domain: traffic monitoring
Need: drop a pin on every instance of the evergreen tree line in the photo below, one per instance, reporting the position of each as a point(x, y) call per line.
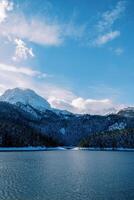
point(19, 135)
point(110, 139)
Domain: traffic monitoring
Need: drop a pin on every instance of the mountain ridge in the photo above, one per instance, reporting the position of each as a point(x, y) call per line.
point(29, 100)
point(63, 127)
point(28, 97)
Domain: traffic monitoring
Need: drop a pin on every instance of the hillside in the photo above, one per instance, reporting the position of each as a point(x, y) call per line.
point(15, 129)
point(113, 139)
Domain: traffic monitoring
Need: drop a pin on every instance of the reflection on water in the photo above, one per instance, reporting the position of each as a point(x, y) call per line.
point(68, 175)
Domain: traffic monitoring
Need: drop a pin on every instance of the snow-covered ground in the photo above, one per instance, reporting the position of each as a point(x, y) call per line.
point(102, 149)
point(39, 148)
point(22, 148)
point(30, 148)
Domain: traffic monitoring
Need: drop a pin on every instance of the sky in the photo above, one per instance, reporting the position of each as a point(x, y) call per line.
point(77, 54)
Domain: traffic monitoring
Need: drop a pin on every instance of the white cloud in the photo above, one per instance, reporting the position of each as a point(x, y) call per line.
point(25, 77)
point(19, 29)
point(40, 31)
point(12, 78)
point(50, 31)
point(85, 106)
point(22, 51)
point(44, 32)
point(93, 106)
point(37, 31)
point(103, 39)
point(109, 17)
point(21, 70)
point(5, 7)
point(104, 28)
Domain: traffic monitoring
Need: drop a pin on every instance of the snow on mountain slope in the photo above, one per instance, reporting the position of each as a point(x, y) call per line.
point(26, 97)
point(30, 101)
point(127, 112)
point(117, 126)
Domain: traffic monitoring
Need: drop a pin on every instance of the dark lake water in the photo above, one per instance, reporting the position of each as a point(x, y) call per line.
point(67, 175)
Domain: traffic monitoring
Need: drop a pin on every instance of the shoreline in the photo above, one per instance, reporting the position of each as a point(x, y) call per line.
point(39, 148)
point(103, 149)
point(30, 148)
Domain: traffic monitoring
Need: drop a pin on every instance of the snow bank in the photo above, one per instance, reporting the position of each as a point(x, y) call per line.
point(102, 149)
point(30, 148)
point(39, 148)
point(23, 148)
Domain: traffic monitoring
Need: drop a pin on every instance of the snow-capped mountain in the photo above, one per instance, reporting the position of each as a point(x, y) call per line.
point(26, 108)
point(30, 101)
point(26, 97)
point(127, 112)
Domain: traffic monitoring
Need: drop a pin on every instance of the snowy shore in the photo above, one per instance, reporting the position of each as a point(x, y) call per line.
point(102, 149)
point(30, 148)
point(39, 148)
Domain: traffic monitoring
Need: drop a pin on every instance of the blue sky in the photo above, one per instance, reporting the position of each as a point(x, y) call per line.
point(77, 54)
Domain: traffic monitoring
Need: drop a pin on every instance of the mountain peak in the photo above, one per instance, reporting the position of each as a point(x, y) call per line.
point(26, 97)
point(127, 112)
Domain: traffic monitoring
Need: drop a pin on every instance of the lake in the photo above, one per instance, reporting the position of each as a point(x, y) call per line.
point(67, 175)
